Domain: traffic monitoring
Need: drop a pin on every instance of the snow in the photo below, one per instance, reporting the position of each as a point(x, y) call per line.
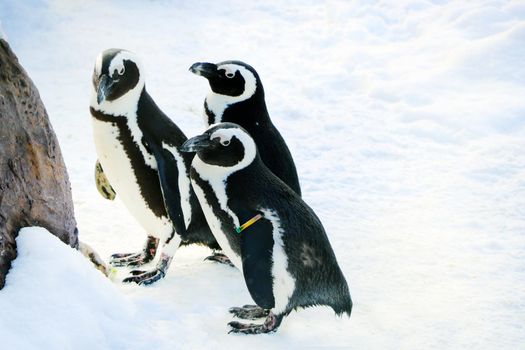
point(405, 120)
point(55, 299)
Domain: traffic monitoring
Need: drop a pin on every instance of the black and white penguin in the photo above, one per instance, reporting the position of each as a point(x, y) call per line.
point(237, 96)
point(265, 228)
point(136, 144)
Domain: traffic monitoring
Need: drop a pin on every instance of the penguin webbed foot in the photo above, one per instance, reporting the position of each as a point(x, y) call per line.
point(129, 259)
point(270, 325)
point(141, 277)
point(249, 312)
point(148, 277)
point(220, 258)
point(136, 259)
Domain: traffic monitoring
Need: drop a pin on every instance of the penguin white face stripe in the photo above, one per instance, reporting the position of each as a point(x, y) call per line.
point(98, 63)
point(217, 103)
point(229, 69)
point(223, 134)
point(184, 183)
point(117, 63)
point(283, 281)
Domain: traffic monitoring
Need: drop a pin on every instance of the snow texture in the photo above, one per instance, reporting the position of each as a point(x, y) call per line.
point(55, 299)
point(406, 121)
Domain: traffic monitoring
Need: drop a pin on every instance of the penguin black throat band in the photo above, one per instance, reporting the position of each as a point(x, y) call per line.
point(248, 223)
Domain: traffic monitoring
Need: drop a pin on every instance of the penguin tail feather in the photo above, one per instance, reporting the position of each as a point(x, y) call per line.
point(344, 309)
point(344, 304)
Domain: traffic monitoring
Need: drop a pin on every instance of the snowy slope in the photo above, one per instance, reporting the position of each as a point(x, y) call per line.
point(54, 299)
point(406, 121)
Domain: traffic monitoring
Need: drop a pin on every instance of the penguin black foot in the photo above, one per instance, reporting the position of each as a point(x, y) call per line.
point(129, 259)
point(249, 312)
point(270, 325)
point(144, 277)
point(136, 259)
point(148, 277)
point(220, 258)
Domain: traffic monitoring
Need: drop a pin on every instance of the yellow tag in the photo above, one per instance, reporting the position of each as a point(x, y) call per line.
point(248, 223)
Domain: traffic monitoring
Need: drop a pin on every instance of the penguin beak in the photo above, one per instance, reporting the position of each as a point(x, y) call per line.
point(196, 144)
point(204, 69)
point(104, 86)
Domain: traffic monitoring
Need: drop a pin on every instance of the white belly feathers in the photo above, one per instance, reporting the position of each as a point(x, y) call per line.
point(216, 228)
point(118, 170)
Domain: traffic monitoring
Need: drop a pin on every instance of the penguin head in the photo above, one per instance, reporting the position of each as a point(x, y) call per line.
point(235, 81)
point(224, 147)
point(117, 77)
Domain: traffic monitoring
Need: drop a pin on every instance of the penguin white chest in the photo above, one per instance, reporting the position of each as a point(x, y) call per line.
point(119, 171)
point(216, 227)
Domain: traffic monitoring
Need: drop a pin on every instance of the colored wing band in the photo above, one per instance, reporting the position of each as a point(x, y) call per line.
point(248, 223)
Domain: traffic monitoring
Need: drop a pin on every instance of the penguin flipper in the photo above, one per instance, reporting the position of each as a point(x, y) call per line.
point(256, 251)
point(169, 182)
point(102, 182)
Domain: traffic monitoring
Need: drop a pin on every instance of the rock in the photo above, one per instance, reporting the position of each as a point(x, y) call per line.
point(34, 185)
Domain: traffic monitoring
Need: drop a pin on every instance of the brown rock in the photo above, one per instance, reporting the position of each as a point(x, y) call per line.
point(34, 185)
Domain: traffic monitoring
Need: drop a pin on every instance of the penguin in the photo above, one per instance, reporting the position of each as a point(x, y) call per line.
point(265, 228)
point(237, 96)
point(138, 161)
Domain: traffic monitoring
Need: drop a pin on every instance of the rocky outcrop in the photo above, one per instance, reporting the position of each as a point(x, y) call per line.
point(34, 185)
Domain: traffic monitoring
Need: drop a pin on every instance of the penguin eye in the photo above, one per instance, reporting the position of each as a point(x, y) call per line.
point(122, 70)
point(225, 142)
point(230, 75)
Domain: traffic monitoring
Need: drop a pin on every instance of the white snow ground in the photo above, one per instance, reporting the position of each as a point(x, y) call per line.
point(407, 123)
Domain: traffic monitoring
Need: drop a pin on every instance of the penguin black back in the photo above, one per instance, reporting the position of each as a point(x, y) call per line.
point(311, 260)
